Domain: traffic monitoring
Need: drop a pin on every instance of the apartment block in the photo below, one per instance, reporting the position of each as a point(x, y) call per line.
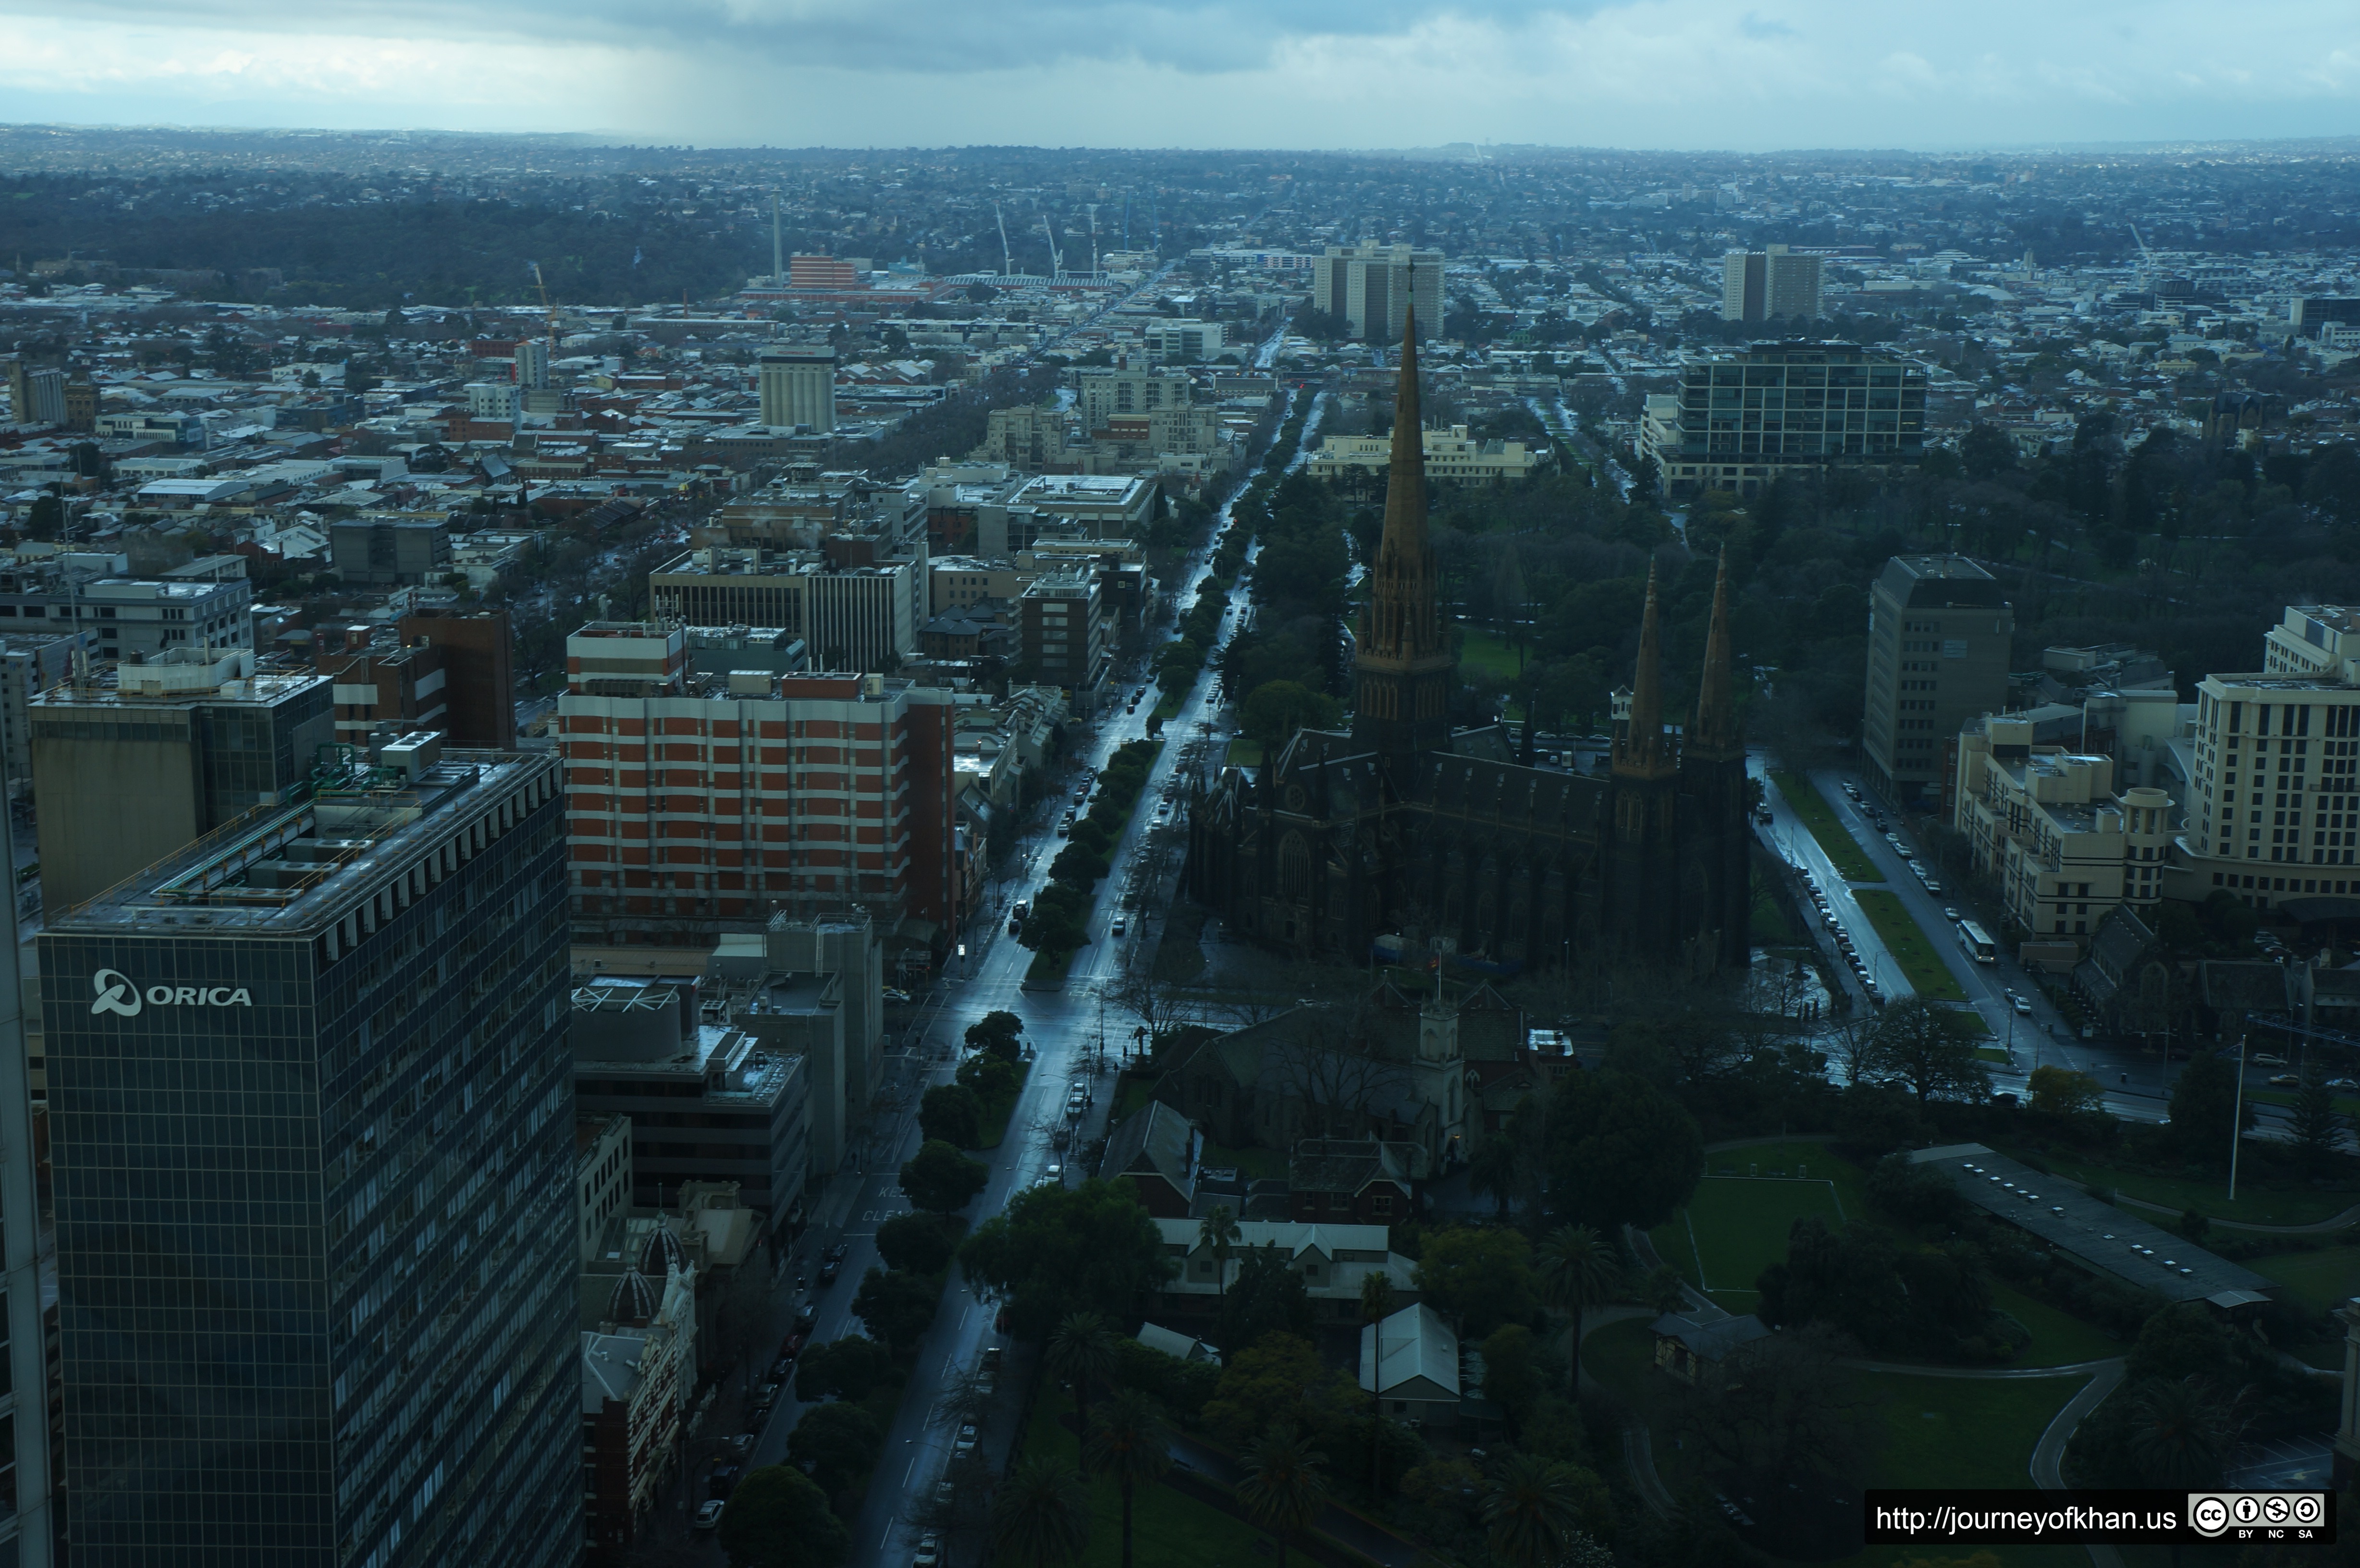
point(1182, 342)
point(375, 553)
point(1371, 287)
point(1939, 634)
point(1103, 391)
point(1791, 410)
point(862, 619)
point(700, 806)
point(2047, 825)
point(1769, 284)
point(1067, 633)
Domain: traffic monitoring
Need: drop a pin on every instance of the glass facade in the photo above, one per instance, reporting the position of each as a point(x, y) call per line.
point(314, 1203)
point(1804, 402)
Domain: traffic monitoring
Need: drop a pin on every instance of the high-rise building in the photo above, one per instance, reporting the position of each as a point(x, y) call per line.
point(702, 806)
point(859, 618)
point(531, 365)
point(479, 672)
point(129, 769)
point(30, 663)
point(313, 1143)
point(797, 384)
point(1939, 634)
point(374, 554)
point(28, 1521)
point(448, 671)
point(1371, 287)
point(494, 400)
point(1182, 342)
point(37, 393)
point(1065, 629)
point(1772, 284)
point(1789, 409)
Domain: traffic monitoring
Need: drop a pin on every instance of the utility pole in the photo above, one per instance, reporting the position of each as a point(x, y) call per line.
point(2236, 1117)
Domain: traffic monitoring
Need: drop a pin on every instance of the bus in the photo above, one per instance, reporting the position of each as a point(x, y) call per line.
point(1978, 945)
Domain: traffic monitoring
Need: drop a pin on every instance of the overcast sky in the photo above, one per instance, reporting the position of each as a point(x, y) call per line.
point(1745, 74)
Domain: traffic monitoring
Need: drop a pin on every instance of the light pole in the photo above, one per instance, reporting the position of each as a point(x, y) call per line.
point(2236, 1117)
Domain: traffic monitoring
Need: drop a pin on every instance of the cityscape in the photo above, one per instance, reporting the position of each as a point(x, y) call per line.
point(1497, 855)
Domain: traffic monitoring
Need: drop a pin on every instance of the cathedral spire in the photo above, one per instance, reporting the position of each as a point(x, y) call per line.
point(1716, 721)
point(1405, 477)
point(1644, 748)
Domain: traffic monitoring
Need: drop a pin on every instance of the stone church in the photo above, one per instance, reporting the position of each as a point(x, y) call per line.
point(1401, 825)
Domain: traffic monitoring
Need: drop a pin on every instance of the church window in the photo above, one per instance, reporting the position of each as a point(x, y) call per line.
point(1294, 867)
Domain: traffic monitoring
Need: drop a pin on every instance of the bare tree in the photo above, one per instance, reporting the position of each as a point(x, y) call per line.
point(1854, 1045)
point(1327, 1066)
point(1155, 1005)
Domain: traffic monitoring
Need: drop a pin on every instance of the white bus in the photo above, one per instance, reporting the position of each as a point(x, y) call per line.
point(1978, 945)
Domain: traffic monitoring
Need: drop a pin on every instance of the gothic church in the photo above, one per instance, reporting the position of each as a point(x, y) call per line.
point(1400, 825)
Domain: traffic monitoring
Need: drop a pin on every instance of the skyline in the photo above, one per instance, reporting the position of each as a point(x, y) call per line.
point(1669, 75)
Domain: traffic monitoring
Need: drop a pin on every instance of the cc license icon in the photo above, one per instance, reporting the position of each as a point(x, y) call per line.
point(2210, 1516)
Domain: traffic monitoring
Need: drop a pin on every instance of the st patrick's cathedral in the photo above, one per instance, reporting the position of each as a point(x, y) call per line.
point(1400, 825)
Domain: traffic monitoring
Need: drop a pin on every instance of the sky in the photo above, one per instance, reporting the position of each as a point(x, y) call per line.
point(1747, 75)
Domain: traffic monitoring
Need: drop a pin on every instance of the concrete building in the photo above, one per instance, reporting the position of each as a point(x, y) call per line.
point(862, 619)
point(1793, 410)
point(137, 618)
point(797, 386)
point(37, 393)
point(33, 1440)
point(1101, 392)
point(2048, 827)
point(531, 365)
point(705, 1102)
point(602, 1176)
point(1372, 287)
point(495, 401)
point(129, 770)
point(375, 553)
point(446, 673)
point(356, 1271)
point(814, 988)
point(30, 663)
point(638, 1370)
point(696, 809)
point(1182, 342)
point(1077, 506)
point(2274, 808)
point(1452, 457)
point(1940, 635)
point(1773, 283)
point(1065, 632)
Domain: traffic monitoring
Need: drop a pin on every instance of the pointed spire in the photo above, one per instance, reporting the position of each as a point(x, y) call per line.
point(1643, 749)
point(1716, 723)
point(1405, 479)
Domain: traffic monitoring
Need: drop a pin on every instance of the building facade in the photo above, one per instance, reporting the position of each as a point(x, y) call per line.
point(1788, 410)
point(797, 386)
point(1372, 287)
point(1452, 457)
point(1400, 824)
point(313, 1144)
point(863, 618)
point(1940, 635)
point(2047, 825)
point(1770, 283)
point(1065, 632)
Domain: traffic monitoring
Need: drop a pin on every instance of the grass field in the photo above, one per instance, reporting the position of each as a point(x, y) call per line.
point(1910, 947)
point(2208, 1197)
point(1167, 1531)
point(1244, 754)
point(2059, 1339)
point(1254, 1164)
point(2318, 1280)
point(1736, 1226)
point(1488, 652)
point(1820, 818)
point(1960, 1431)
point(2346, 1104)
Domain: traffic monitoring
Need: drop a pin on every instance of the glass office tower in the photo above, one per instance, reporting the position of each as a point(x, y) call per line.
point(312, 1134)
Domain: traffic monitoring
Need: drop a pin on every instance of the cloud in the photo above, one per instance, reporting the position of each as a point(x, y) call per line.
point(1203, 72)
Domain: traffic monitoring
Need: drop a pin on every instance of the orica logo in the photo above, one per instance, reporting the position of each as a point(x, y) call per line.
point(119, 996)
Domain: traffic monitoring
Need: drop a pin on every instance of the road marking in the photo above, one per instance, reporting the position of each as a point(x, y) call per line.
point(906, 1481)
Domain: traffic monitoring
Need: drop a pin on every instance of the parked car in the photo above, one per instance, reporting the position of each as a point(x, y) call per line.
point(2343, 1082)
point(2024, 1007)
point(1951, 915)
point(992, 1354)
point(2267, 1059)
point(1119, 926)
point(930, 1551)
point(806, 1319)
point(829, 1270)
point(2285, 1081)
point(964, 1444)
point(722, 1480)
point(708, 1515)
point(895, 994)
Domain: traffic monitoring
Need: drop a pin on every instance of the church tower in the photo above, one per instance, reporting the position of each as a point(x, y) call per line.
point(1401, 707)
point(1641, 855)
point(1717, 838)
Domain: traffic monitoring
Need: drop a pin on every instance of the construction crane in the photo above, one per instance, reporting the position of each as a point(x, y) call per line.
point(1094, 239)
point(1006, 262)
point(540, 284)
point(2147, 258)
point(1056, 256)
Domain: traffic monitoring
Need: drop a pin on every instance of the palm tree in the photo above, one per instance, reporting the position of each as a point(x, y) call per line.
point(1082, 1350)
point(1284, 1488)
point(1376, 1306)
point(1218, 1230)
point(1579, 1270)
point(1128, 1442)
point(2178, 1434)
point(1041, 1515)
point(1494, 1168)
point(1532, 1509)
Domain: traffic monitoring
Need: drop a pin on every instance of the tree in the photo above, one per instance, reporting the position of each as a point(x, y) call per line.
point(997, 1033)
point(1985, 452)
point(1496, 1164)
point(2179, 1435)
point(1218, 1230)
point(1376, 1306)
point(1510, 1377)
point(2204, 1105)
point(2316, 1123)
point(1057, 1250)
point(1484, 1277)
point(1041, 1516)
point(1082, 1352)
point(1923, 1046)
point(917, 1244)
point(1621, 1151)
point(1534, 1510)
point(1273, 711)
point(1269, 1298)
point(992, 1079)
point(1784, 1412)
point(1284, 1488)
point(941, 1180)
point(1577, 1271)
point(848, 1368)
point(1278, 1383)
point(2060, 1092)
point(951, 1114)
point(1128, 1442)
point(837, 1445)
point(779, 1518)
point(898, 1308)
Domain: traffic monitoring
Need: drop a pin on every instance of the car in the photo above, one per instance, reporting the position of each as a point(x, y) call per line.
point(992, 1355)
point(1016, 925)
point(708, 1515)
point(1055, 1175)
point(838, 1253)
point(930, 1551)
point(2024, 1007)
point(1933, 887)
point(2267, 1059)
point(1119, 927)
point(806, 1319)
point(829, 1270)
point(895, 994)
point(722, 1480)
point(1067, 826)
point(2343, 1082)
point(964, 1444)
point(782, 1369)
point(945, 1494)
point(1952, 916)
point(2286, 1079)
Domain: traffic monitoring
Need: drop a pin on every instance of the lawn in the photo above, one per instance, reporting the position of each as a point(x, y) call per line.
point(1920, 966)
point(994, 1116)
point(1490, 653)
point(1962, 1432)
point(1047, 970)
point(2208, 1197)
point(1244, 753)
point(2346, 1104)
point(2059, 1339)
point(1842, 849)
point(1167, 1529)
point(1736, 1226)
point(1254, 1164)
point(2318, 1280)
